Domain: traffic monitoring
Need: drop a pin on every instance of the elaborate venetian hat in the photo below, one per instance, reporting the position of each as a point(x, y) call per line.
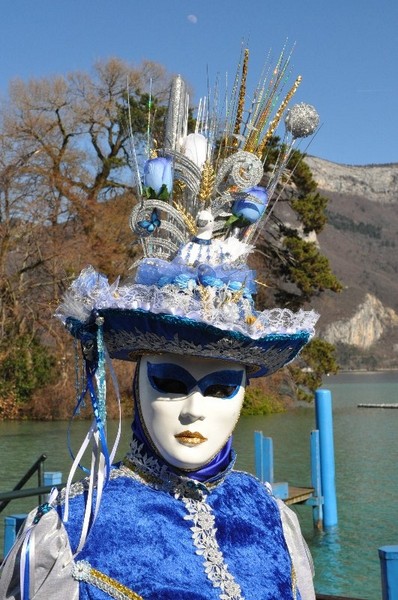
point(199, 212)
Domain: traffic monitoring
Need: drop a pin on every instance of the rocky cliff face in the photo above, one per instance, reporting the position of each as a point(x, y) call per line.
point(361, 243)
point(368, 324)
point(374, 182)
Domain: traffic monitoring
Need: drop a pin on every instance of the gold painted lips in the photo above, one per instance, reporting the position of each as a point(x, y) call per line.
point(190, 438)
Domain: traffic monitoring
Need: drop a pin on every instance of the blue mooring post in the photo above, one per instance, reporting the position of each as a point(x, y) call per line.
point(324, 423)
point(12, 525)
point(264, 457)
point(316, 481)
point(52, 477)
point(389, 572)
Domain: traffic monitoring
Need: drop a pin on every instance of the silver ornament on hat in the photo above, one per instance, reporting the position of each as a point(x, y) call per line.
point(301, 120)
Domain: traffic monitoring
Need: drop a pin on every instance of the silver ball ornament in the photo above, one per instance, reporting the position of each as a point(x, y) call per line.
point(301, 120)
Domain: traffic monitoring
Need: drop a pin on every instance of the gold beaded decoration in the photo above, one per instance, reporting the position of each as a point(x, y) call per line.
point(83, 571)
point(294, 583)
point(275, 121)
point(241, 101)
point(207, 182)
point(188, 218)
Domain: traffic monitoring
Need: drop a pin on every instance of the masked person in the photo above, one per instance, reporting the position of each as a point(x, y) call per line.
point(174, 520)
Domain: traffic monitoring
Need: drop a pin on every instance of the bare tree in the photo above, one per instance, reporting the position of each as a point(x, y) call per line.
point(65, 181)
point(73, 124)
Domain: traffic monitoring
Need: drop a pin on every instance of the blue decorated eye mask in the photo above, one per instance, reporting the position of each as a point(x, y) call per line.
point(169, 378)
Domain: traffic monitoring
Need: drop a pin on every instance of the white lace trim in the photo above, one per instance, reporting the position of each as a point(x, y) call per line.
point(204, 538)
point(217, 307)
point(193, 494)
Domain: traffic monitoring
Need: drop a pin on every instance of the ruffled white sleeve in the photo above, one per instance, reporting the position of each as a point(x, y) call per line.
point(299, 552)
point(50, 560)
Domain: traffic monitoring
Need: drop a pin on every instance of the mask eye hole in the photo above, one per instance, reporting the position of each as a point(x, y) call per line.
point(169, 386)
point(219, 390)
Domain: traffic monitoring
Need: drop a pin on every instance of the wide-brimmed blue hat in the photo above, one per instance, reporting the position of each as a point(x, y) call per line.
point(263, 341)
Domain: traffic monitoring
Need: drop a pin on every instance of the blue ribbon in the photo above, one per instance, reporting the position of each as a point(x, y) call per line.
point(26, 579)
point(201, 242)
point(76, 411)
point(100, 425)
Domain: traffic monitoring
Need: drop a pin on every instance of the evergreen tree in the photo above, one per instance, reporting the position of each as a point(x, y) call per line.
point(317, 359)
point(290, 263)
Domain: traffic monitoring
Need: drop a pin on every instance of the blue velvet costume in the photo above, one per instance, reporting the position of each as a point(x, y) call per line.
point(143, 536)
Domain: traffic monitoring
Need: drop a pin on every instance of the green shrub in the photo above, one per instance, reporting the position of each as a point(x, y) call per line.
point(25, 365)
point(258, 403)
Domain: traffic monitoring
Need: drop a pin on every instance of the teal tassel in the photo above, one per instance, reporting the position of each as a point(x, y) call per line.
point(100, 372)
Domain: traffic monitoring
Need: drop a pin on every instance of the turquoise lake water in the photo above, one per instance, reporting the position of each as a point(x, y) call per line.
point(366, 451)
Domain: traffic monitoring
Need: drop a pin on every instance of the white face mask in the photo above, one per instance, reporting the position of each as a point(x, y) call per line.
point(189, 406)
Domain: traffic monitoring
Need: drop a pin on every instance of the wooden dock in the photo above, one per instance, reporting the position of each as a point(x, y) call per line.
point(373, 405)
point(298, 494)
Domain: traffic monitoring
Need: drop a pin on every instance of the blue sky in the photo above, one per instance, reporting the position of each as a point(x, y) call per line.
point(346, 51)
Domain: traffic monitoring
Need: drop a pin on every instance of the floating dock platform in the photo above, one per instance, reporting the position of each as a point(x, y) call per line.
point(374, 405)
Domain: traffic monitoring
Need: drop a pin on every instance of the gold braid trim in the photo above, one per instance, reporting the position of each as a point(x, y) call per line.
point(254, 134)
point(236, 296)
point(241, 101)
point(83, 571)
point(294, 583)
point(274, 123)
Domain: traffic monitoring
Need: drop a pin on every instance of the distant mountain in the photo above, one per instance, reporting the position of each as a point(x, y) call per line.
point(361, 242)
point(374, 182)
